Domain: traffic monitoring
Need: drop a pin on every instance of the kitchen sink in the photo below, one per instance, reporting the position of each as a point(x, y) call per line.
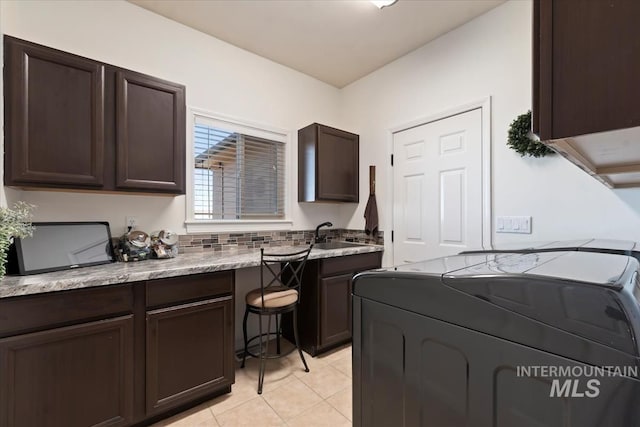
point(336, 245)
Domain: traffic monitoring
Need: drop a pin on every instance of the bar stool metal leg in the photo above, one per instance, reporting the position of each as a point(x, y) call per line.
point(295, 336)
point(262, 358)
point(263, 354)
point(244, 332)
point(278, 333)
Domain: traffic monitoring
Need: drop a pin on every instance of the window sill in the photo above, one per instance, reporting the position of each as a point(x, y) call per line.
point(204, 226)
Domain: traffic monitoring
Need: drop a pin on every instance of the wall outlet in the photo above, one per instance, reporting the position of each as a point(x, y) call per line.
point(513, 224)
point(131, 221)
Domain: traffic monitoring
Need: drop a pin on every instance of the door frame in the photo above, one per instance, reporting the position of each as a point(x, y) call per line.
point(484, 105)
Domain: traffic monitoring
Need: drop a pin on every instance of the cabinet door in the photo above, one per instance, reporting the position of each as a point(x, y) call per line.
point(150, 115)
point(54, 132)
point(586, 60)
point(74, 376)
point(189, 352)
point(335, 309)
point(337, 165)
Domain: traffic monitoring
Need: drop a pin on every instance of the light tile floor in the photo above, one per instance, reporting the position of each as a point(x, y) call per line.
point(290, 396)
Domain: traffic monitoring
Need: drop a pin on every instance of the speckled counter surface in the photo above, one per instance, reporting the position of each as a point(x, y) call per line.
point(182, 265)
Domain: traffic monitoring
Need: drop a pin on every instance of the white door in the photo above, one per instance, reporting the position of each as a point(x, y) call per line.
point(437, 184)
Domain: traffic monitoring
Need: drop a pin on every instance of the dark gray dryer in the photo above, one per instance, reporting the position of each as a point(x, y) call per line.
point(607, 246)
point(448, 342)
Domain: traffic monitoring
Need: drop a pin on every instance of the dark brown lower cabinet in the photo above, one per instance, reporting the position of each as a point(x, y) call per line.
point(335, 309)
point(189, 352)
point(324, 314)
point(117, 355)
point(79, 375)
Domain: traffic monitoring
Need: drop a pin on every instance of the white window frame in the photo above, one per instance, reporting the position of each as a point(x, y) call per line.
point(250, 128)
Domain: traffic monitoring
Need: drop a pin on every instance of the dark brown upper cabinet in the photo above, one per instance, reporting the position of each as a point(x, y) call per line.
point(586, 59)
point(328, 163)
point(150, 142)
point(76, 123)
point(55, 116)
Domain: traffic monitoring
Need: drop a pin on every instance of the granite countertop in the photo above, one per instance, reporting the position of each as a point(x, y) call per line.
point(182, 265)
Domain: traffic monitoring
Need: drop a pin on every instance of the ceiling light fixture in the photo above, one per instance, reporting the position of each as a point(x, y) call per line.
point(383, 3)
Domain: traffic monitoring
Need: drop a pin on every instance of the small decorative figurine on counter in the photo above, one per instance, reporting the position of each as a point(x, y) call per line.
point(134, 246)
point(164, 244)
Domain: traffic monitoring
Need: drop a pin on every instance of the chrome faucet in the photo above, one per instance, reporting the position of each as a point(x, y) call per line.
point(319, 239)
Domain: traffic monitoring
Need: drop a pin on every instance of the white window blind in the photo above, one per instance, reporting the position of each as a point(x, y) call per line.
point(237, 175)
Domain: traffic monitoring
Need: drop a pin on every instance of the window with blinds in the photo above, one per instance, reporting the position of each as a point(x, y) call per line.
point(236, 175)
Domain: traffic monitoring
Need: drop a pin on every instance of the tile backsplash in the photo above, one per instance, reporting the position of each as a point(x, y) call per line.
point(189, 243)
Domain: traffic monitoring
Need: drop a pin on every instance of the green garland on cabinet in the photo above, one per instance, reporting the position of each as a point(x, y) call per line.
point(520, 138)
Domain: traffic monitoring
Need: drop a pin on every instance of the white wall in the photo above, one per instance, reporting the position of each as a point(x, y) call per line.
point(489, 56)
point(219, 78)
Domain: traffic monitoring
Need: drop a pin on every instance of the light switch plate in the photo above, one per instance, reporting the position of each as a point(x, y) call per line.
point(513, 224)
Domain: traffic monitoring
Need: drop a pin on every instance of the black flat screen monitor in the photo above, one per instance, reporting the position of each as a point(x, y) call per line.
point(64, 245)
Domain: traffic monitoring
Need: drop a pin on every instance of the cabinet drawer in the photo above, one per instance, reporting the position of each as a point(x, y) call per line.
point(350, 263)
point(44, 311)
point(188, 288)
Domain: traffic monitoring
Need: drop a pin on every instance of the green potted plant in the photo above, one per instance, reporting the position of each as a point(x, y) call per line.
point(14, 222)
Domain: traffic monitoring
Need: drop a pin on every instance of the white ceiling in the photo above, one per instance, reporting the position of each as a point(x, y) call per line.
point(336, 41)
